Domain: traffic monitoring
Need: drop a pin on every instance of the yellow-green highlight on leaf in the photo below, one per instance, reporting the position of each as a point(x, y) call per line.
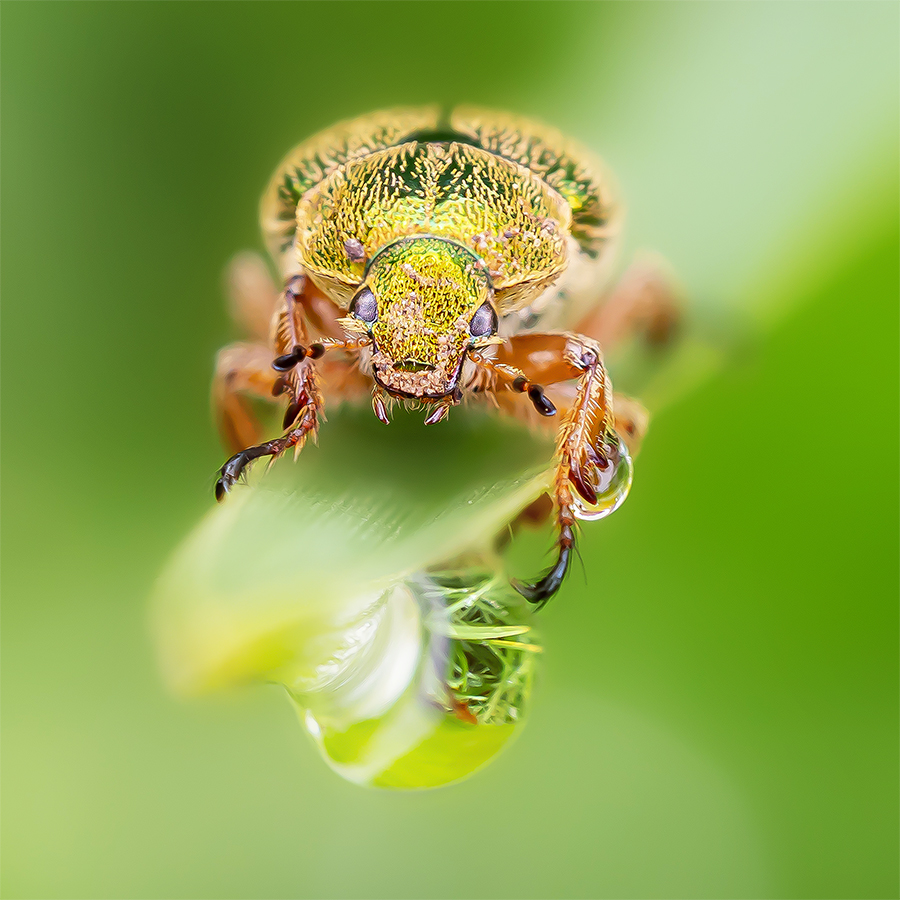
point(272, 575)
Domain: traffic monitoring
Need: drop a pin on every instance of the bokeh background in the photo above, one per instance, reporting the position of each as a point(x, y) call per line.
point(717, 713)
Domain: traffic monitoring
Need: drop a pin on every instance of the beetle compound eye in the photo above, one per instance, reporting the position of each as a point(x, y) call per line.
point(484, 322)
point(364, 306)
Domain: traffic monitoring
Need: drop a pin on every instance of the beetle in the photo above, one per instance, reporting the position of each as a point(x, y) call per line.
point(426, 257)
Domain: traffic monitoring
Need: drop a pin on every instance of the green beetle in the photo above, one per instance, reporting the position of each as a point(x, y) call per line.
point(426, 257)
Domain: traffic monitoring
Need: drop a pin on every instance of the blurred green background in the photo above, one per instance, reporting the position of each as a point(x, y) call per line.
point(717, 713)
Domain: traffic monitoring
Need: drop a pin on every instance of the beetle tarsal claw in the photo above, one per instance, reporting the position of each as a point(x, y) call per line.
point(548, 584)
point(221, 489)
point(230, 473)
point(551, 581)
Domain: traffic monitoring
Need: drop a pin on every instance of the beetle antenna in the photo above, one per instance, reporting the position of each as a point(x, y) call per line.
point(518, 381)
point(287, 362)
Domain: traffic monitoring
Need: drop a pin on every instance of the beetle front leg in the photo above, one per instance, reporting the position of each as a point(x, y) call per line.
point(292, 370)
point(584, 446)
point(588, 449)
point(301, 420)
point(295, 376)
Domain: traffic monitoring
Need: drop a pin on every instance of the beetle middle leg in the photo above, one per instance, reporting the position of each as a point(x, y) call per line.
point(242, 369)
point(587, 442)
point(645, 304)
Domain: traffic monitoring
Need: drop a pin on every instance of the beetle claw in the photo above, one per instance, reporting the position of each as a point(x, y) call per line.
point(549, 583)
point(221, 490)
point(229, 474)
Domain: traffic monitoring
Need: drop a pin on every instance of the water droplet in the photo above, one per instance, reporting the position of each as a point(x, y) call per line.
point(434, 685)
point(612, 483)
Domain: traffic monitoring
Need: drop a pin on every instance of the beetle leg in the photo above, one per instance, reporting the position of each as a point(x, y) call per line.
point(252, 295)
point(301, 419)
point(645, 303)
point(234, 467)
point(585, 434)
point(539, 355)
point(301, 303)
point(297, 381)
point(631, 421)
point(294, 373)
point(242, 369)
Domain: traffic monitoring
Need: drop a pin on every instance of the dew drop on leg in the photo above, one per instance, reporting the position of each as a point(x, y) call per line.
point(612, 483)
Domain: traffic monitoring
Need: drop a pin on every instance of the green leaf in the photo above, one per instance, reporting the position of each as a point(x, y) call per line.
point(276, 572)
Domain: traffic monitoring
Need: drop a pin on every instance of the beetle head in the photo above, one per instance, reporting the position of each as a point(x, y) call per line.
point(425, 302)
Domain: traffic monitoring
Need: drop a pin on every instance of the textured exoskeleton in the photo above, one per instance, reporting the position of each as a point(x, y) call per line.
point(425, 257)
